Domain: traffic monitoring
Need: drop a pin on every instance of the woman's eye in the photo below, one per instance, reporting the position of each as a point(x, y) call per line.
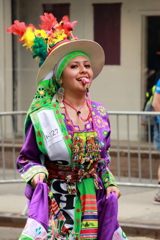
point(87, 66)
point(73, 66)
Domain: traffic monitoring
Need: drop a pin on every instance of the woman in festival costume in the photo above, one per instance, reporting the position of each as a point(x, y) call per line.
point(64, 160)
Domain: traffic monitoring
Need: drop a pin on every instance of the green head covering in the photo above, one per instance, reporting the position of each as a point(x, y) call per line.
point(63, 63)
point(48, 87)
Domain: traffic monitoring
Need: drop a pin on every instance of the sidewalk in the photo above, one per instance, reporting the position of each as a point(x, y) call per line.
point(13, 234)
point(138, 216)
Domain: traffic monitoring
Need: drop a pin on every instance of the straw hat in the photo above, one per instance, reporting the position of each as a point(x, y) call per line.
point(55, 40)
point(92, 49)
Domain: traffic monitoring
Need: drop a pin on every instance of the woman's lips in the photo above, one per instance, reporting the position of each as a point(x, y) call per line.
point(84, 80)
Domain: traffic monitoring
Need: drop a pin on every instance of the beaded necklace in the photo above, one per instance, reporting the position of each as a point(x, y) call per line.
point(78, 110)
point(85, 151)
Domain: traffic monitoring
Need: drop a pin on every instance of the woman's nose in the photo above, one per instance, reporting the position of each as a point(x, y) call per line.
point(83, 69)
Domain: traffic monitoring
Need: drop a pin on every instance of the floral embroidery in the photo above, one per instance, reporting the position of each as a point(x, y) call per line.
point(99, 121)
point(108, 178)
point(105, 133)
point(102, 144)
point(33, 229)
point(101, 110)
point(49, 90)
point(40, 92)
point(93, 105)
point(32, 171)
point(88, 126)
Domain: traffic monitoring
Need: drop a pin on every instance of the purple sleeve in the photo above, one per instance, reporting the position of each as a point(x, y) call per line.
point(28, 162)
point(104, 171)
point(105, 150)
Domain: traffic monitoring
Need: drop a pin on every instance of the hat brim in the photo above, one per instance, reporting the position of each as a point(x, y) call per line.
point(92, 49)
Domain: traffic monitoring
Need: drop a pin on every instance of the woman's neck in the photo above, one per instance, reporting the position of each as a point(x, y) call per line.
point(75, 101)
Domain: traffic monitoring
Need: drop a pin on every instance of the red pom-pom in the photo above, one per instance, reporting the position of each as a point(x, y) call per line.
point(48, 21)
point(66, 25)
point(18, 28)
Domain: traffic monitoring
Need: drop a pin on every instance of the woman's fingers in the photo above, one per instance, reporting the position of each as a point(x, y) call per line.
point(38, 177)
point(113, 189)
point(118, 193)
point(108, 191)
point(42, 176)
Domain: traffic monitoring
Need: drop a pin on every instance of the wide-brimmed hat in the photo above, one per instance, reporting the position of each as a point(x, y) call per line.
point(55, 40)
point(92, 49)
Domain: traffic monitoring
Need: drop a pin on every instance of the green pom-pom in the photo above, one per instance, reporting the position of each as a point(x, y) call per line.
point(39, 49)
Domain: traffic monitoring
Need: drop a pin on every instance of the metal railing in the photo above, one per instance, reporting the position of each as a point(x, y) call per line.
point(128, 138)
point(139, 140)
point(11, 140)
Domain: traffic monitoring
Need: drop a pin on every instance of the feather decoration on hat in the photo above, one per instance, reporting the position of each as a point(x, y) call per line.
point(66, 25)
point(48, 21)
point(40, 41)
point(18, 28)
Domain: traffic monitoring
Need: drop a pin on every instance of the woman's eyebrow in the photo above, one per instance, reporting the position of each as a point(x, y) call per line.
point(78, 61)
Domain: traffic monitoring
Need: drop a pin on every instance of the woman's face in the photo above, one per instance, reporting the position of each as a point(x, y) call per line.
point(78, 68)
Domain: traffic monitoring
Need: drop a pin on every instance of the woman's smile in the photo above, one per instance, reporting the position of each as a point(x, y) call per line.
point(79, 68)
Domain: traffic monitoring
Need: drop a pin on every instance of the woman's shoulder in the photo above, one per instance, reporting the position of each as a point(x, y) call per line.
point(97, 105)
point(100, 108)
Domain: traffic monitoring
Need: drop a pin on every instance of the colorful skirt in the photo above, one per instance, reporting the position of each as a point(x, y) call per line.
point(87, 214)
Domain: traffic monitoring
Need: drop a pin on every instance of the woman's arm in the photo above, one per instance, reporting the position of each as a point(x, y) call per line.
point(29, 162)
point(106, 175)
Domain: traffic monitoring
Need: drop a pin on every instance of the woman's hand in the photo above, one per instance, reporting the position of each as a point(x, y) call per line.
point(113, 189)
point(38, 177)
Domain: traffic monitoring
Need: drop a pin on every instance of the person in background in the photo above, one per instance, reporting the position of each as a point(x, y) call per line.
point(65, 157)
point(156, 134)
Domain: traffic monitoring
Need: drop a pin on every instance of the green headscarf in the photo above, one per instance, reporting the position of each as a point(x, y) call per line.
point(63, 63)
point(47, 88)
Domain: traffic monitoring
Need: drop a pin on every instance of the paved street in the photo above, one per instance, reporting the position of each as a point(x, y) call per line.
point(135, 207)
point(13, 234)
point(139, 238)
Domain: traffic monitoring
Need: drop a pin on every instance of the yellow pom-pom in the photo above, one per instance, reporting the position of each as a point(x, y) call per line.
point(28, 38)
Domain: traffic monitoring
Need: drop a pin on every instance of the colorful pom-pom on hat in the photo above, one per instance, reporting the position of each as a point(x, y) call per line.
point(40, 41)
point(55, 40)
